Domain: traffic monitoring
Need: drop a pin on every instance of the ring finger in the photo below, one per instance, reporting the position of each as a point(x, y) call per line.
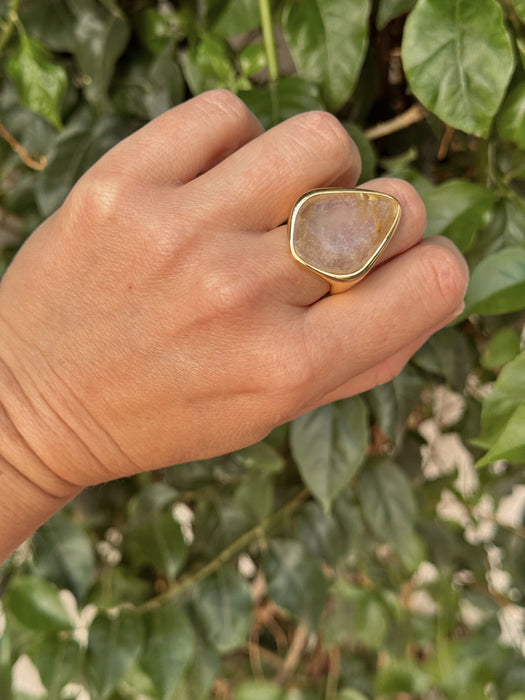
point(296, 284)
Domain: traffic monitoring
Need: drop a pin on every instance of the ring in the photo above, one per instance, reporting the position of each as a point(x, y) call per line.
point(340, 234)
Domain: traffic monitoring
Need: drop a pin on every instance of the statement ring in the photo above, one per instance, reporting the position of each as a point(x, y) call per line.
point(340, 234)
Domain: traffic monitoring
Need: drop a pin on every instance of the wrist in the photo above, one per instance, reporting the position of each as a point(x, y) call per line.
point(21, 450)
point(30, 492)
point(39, 438)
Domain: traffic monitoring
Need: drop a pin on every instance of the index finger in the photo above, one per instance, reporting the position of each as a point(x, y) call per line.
point(255, 187)
point(189, 139)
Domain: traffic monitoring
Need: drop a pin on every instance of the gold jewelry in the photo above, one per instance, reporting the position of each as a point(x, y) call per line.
point(340, 233)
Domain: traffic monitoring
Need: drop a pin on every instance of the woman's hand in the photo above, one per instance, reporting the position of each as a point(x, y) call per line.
point(157, 316)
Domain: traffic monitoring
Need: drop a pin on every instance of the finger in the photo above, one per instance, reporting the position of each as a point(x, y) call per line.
point(255, 187)
point(397, 303)
point(297, 285)
point(413, 220)
point(189, 139)
point(381, 373)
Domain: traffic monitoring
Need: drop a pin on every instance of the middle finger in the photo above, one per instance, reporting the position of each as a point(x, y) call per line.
point(254, 188)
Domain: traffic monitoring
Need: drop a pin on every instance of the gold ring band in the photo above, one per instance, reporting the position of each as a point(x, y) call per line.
point(340, 234)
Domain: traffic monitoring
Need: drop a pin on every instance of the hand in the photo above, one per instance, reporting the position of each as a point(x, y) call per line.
point(157, 316)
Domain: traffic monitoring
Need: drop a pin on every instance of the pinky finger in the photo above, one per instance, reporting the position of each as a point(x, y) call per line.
point(381, 373)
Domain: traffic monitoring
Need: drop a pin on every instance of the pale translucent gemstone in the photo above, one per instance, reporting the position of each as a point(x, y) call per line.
point(338, 232)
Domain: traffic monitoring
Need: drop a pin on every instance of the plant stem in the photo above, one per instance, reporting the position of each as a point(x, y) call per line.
point(8, 25)
point(402, 121)
point(224, 557)
point(22, 152)
point(269, 39)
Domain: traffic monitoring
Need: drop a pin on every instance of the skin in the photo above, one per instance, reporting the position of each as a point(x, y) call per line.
point(157, 317)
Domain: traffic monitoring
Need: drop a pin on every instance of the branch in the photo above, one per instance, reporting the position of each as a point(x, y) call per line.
point(265, 13)
point(22, 152)
point(224, 557)
point(334, 671)
point(412, 115)
point(293, 656)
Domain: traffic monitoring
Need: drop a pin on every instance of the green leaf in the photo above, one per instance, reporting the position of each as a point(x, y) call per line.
point(503, 347)
point(252, 60)
point(389, 508)
point(329, 536)
point(58, 662)
point(355, 616)
point(507, 394)
point(165, 85)
point(223, 605)
point(390, 9)
point(199, 679)
point(155, 29)
point(318, 531)
point(295, 580)
point(218, 524)
point(101, 34)
point(458, 60)
point(520, 44)
point(36, 135)
point(133, 88)
point(393, 402)
point(51, 22)
point(511, 119)
point(502, 417)
point(64, 555)
point(169, 648)
point(350, 694)
point(151, 499)
point(75, 150)
point(259, 690)
point(449, 355)
point(497, 284)
point(275, 103)
point(328, 41)
point(260, 456)
point(115, 642)
point(519, 6)
point(329, 445)
point(458, 209)
point(210, 65)
point(402, 677)
point(209, 12)
point(366, 150)
point(514, 232)
point(510, 444)
point(238, 17)
point(157, 541)
point(40, 83)
point(256, 495)
point(6, 663)
point(38, 605)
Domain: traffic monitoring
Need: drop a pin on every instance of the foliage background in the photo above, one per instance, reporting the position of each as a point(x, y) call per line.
point(357, 552)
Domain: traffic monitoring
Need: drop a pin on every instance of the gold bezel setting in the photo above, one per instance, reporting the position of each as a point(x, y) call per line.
point(340, 282)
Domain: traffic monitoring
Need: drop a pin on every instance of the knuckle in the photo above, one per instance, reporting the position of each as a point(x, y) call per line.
point(100, 198)
point(223, 294)
point(328, 133)
point(226, 105)
point(441, 277)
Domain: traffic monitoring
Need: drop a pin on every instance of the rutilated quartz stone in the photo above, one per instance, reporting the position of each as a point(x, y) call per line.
point(339, 232)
